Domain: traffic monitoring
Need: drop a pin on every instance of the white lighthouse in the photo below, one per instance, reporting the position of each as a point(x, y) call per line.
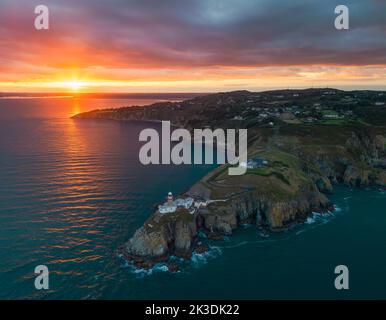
point(170, 198)
point(169, 206)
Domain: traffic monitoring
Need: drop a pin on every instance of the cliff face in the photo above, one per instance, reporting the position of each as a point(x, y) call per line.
point(162, 237)
point(360, 162)
point(274, 197)
point(263, 211)
point(152, 244)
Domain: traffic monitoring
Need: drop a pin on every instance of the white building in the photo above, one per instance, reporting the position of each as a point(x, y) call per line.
point(171, 205)
point(167, 208)
point(253, 163)
point(186, 203)
point(249, 165)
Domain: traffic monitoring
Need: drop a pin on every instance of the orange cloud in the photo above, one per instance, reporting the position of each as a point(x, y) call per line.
point(177, 46)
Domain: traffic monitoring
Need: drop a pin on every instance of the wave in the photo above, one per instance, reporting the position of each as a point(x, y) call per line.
point(199, 259)
point(317, 218)
point(141, 272)
point(313, 218)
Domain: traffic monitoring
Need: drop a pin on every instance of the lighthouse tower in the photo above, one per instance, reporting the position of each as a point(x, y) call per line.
point(170, 199)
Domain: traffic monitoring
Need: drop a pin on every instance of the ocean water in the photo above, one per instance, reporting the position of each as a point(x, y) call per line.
point(72, 191)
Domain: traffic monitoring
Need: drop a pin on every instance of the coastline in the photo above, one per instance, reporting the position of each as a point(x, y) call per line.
point(298, 165)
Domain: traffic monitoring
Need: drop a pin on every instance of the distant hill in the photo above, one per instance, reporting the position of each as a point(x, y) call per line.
point(247, 109)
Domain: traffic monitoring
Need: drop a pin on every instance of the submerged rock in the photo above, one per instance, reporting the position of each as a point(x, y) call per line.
point(215, 236)
point(173, 267)
point(200, 249)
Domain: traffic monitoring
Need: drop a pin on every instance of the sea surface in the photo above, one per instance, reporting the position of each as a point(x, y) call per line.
point(72, 191)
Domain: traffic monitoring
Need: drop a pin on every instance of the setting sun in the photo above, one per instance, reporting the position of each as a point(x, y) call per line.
point(75, 85)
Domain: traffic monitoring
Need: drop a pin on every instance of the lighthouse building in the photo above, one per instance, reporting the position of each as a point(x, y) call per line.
point(171, 205)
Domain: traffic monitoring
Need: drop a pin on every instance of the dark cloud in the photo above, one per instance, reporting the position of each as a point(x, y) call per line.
point(171, 33)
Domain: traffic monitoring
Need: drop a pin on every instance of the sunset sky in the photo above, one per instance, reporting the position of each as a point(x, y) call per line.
point(190, 46)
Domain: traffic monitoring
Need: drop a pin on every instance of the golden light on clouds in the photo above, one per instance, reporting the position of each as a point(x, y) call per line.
point(189, 46)
point(201, 80)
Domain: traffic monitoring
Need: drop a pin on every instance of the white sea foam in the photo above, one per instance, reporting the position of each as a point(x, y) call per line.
point(141, 272)
point(310, 220)
point(199, 259)
point(313, 218)
point(318, 219)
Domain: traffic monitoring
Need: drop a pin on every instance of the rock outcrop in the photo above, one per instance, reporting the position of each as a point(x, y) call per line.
point(359, 163)
point(262, 211)
point(163, 236)
point(144, 243)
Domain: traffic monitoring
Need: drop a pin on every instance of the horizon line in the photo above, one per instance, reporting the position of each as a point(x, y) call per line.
point(65, 94)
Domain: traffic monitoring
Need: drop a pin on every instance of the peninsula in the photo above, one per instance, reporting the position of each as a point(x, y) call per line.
point(300, 144)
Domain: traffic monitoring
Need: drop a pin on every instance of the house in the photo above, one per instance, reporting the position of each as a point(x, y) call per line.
point(254, 163)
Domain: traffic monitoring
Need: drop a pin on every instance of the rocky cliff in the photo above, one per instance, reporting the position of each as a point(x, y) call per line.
point(287, 191)
point(163, 236)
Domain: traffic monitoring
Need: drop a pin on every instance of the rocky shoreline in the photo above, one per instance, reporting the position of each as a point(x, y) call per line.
point(181, 238)
point(297, 163)
point(177, 234)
